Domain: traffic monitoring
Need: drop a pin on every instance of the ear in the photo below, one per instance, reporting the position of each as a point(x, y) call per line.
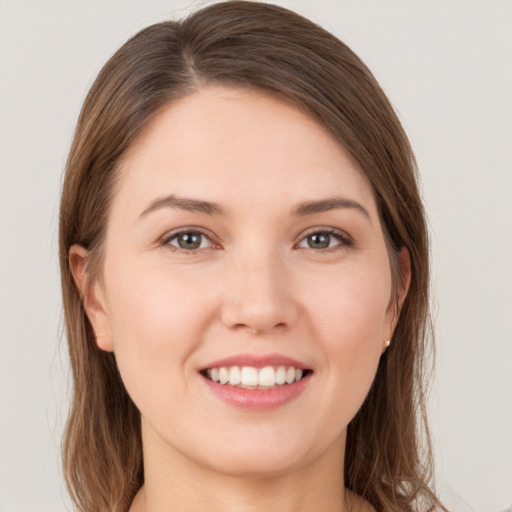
point(93, 297)
point(404, 263)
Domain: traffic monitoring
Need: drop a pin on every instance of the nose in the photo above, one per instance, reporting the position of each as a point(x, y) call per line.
point(258, 296)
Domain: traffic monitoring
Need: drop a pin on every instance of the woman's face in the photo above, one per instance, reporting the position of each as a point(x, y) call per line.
point(243, 241)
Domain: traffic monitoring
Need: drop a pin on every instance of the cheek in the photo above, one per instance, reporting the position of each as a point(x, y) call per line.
point(350, 323)
point(152, 306)
point(156, 319)
point(353, 310)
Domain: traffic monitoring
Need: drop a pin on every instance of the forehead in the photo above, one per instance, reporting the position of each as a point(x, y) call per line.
point(239, 147)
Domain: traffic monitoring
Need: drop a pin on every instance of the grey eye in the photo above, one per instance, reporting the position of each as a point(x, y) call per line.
point(321, 240)
point(189, 240)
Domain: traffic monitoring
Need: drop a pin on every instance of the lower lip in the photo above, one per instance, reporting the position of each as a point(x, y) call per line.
point(257, 399)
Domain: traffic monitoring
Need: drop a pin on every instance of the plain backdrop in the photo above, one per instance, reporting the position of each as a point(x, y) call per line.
point(446, 65)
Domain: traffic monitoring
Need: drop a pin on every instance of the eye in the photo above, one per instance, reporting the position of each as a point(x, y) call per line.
point(325, 239)
point(188, 241)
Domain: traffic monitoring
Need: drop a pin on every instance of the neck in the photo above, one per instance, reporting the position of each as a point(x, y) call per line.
point(173, 482)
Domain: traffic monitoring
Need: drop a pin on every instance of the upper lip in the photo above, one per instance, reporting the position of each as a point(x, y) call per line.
point(256, 361)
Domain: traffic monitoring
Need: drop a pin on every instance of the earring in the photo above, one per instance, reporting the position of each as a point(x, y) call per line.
point(387, 343)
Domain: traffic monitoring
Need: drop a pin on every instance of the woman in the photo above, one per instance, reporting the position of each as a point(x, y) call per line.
point(245, 276)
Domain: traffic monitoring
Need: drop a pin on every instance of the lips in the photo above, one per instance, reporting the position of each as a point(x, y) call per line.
point(256, 361)
point(256, 382)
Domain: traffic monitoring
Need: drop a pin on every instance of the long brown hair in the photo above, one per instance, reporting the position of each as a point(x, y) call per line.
point(246, 44)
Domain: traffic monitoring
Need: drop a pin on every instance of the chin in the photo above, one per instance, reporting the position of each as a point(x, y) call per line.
point(257, 467)
point(262, 455)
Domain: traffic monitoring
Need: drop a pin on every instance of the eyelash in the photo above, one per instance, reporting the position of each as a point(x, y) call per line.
point(166, 241)
point(343, 239)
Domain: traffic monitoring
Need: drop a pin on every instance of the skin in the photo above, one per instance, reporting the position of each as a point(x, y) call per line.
point(256, 285)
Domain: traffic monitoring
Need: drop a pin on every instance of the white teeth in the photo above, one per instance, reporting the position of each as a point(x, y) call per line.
point(250, 377)
point(223, 375)
point(234, 376)
point(281, 375)
point(267, 377)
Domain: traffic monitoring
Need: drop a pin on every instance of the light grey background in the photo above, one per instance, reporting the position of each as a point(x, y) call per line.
point(446, 66)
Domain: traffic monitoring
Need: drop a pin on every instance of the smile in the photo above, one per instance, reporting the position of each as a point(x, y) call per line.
point(250, 377)
point(256, 382)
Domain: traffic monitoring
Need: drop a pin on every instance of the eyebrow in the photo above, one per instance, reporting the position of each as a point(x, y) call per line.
point(185, 203)
point(325, 205)
point(211, 208)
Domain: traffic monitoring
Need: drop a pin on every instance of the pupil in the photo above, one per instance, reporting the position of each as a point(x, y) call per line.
point(190, 241)
point(319, 240)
